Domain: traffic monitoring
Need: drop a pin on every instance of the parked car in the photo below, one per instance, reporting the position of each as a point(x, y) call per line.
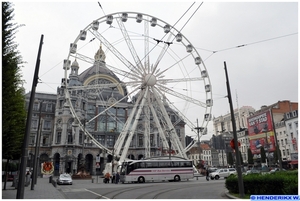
point(212, 169)
point(252, 171)
point(64, 179)
point(276, 170)
point(222, 173)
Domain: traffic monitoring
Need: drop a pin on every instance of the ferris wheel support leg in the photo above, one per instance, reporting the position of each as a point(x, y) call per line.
point(125, 149)
point(171, 128)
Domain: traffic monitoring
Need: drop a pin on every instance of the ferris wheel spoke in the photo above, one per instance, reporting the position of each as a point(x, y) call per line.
point(127, 63)
point(161, 132)
point(83, 58)
point(99, 87)
point(146, 46)
point(131, 75)
point(166, 81)
point(163, 51)
point(126, 96)
point(181, 96)
point(127, 126)
point(159, 75)
point(129, 44)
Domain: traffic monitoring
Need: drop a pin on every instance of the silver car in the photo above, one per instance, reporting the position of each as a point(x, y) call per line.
point(226, 172)
point(64, 179)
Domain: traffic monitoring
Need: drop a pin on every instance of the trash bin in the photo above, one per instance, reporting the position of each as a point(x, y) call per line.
point(50, 179)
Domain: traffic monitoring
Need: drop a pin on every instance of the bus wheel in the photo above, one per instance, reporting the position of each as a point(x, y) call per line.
point(141, 180)
point(176, 178)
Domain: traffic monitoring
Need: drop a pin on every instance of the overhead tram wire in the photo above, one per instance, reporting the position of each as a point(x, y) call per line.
point(172, 26)
point(247, 44)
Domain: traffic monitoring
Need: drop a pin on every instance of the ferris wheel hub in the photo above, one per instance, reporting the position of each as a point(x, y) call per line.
point(150, 80)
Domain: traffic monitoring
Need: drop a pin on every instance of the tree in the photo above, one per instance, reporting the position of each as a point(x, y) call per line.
point(13, 100)
point(250, 157)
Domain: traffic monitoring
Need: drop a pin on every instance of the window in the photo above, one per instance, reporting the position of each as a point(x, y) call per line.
point(49, 107)
point(102, 139)
point(80, 138)
point(164, 164)
point(110, 140)
point(35, 106)
point(61, 103)
point(283, 152)
point(45, 141)
point(70, 138)
point(151, 139)
point(287, 152)
point(141, 141)
point(58, 137)
point(32, 139)
point(34, 124)
point(47, 125)
point(178, 132)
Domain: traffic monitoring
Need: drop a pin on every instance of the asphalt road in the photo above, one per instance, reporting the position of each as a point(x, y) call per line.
point(192, 189)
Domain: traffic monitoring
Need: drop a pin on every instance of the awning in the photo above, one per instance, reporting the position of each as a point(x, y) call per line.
point(293, 162)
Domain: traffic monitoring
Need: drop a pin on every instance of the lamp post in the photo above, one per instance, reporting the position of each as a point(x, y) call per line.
point(239, 171)
point(198, 135)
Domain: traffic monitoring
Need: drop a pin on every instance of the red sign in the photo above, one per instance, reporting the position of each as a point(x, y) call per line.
point(232, 144)
point(261, 132)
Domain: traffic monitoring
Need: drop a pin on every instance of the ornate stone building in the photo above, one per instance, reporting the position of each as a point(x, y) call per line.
point(65, 144)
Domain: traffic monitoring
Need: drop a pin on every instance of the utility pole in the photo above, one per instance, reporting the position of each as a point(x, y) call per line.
point(34, 173)
point(236, 146)
point(198, 143)
point(21, 183)
point(276, 142)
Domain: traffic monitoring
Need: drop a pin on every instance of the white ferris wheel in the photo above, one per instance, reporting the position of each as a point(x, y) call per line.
point(160, 69)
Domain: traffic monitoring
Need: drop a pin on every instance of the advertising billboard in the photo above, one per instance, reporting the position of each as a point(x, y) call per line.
point(261, 132)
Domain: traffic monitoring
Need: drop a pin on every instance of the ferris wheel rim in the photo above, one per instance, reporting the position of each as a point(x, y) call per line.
point(102, 19)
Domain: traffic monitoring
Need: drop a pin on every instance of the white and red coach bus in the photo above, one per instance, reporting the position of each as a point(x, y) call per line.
point(156, 170)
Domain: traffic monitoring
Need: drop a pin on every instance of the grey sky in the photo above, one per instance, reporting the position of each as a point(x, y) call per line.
point(262, 71)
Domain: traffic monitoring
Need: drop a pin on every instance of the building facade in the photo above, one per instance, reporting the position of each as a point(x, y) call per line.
point(65, 144)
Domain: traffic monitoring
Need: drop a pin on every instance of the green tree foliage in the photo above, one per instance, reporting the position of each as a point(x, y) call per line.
point(13, 101)
point(250, 157)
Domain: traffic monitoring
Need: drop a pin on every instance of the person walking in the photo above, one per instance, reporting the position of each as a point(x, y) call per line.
point(106, 177)
point(113, 178)
point(207, 174)
point(117, 178)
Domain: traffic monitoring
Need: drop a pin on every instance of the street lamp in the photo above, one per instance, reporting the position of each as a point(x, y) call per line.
point(199, 129)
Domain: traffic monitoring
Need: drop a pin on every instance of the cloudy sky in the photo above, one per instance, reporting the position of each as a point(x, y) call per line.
point(258, 41)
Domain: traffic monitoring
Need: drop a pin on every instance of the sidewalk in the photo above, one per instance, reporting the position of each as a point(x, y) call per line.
point(42, 190)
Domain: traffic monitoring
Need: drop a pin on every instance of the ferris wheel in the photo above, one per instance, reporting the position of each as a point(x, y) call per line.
point(158, 70)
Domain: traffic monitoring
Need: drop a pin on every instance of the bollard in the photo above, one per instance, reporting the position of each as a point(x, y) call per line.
point(50, 179)
point(92, 180)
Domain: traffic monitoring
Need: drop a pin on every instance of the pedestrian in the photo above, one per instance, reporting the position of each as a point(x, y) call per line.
point(117, 177)
point(113, 177)
point(207, 174)
point(106, 177)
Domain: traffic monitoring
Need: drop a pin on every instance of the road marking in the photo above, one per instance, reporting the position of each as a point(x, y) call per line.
point(102, 196)
point(65, 190)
